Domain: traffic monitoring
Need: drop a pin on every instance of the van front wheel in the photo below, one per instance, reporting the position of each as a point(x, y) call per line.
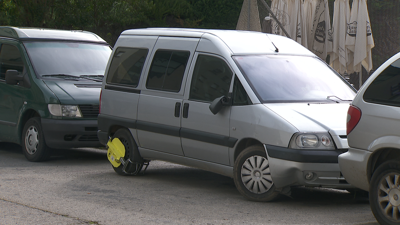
point(33, 143)
point(252, 175)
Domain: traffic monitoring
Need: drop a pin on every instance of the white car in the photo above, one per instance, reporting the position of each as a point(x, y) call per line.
point(373, 131)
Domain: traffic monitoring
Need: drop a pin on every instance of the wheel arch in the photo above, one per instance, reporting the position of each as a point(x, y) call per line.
point(112, 129)
point(243, 144)
point(379, 157)
point(30, 113)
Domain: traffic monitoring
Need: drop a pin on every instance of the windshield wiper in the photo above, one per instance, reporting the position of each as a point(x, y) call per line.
point(98, 78)
point(65, 76)
point(331, 97)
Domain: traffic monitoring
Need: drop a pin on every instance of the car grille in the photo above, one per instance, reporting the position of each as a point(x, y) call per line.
point(89, 111)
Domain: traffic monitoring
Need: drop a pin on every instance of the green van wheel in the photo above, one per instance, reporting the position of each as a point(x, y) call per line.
point(33, 143)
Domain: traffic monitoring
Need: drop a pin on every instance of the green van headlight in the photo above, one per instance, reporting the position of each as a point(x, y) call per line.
point(64, 110)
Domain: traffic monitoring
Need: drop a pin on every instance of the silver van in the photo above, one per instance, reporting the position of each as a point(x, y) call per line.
point(256, 107)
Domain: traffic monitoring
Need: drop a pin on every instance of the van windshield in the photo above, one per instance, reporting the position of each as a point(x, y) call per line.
point(293, 79)
point(67, 59)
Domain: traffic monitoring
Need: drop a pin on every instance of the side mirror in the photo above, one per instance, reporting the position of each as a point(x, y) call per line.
point(13, 77)
point(217, 104)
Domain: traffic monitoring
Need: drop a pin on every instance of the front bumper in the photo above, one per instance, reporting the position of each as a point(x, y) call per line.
point(70, 133)
point(354, 165)
point(313, 168)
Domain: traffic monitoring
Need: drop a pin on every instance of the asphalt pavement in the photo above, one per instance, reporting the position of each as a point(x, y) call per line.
point(80, 187)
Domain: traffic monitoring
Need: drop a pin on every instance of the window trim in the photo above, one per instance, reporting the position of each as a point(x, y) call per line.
point(141, 72)
point(185, 72)
point(21, 55)
point(193, 70)
point(381, 101)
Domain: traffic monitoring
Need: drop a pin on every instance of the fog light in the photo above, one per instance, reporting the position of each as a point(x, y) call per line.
point(309, 176)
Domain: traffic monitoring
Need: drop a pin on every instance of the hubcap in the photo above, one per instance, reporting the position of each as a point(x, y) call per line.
point(388, 196)
point(32, 140)
point(256, 175)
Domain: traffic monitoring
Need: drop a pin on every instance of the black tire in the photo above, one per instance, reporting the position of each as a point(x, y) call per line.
point(131, 152)
point(384, 196)
point(252, 176)
point(33, 141)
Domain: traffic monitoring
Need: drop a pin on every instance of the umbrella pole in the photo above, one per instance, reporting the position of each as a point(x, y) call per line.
point(274, 17)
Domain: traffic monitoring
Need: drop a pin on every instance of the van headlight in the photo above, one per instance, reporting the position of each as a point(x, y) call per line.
point(312, 141)
point(64, 110)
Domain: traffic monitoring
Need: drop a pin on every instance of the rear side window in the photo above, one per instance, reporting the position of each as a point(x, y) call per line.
point(167, 70)
point(385, 89)
point(10, 59)
point(211, 79)
point(126, 66)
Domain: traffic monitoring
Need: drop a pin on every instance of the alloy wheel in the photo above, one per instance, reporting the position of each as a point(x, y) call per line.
point(389, 196)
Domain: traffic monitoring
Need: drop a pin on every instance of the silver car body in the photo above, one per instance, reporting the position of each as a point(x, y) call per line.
point(212, 142)
point(376, 132)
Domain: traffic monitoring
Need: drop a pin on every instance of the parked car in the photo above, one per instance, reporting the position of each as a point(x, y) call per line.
point(373, 160)
point(50, 83)
point(253, 106)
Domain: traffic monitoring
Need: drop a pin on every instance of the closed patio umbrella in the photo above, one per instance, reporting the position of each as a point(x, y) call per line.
point(296, 22)
point(308, 13)
point(359, 40)
point(341, 17)
point(280, 9)
point(321, 38)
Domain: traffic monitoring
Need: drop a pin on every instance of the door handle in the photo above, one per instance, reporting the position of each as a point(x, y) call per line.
point(185, 110)
point(177, 109)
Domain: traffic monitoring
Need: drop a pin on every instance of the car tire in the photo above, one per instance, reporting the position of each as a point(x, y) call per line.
point(33, 141)
point(384, 196)
point(131, 152)
point(252, 175)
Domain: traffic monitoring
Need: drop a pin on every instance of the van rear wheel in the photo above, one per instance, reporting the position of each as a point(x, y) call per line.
point(252, 175)
point(131, 153)
point(33, 143)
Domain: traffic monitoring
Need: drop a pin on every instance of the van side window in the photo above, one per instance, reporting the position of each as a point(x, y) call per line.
point(211, 79)
point(167, 70)
point(10, 59)
point(240, 96)
point(385, 89)
point(126, 66)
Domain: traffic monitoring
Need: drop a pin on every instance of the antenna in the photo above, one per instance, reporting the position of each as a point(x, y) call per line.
point(276, 49)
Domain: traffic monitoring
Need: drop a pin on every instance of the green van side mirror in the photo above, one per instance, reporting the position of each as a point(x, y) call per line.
point(13, 77)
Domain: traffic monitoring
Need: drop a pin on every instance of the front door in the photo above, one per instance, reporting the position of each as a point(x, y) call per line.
point(12, 97)
point(205, 136)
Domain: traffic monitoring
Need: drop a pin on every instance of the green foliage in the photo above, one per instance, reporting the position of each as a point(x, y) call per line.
point(109, 18)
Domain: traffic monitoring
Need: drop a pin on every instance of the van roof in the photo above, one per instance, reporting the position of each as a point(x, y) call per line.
point(21, 33)
point(239, 41)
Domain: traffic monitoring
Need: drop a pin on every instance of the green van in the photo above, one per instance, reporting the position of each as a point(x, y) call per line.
point(50, 82)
